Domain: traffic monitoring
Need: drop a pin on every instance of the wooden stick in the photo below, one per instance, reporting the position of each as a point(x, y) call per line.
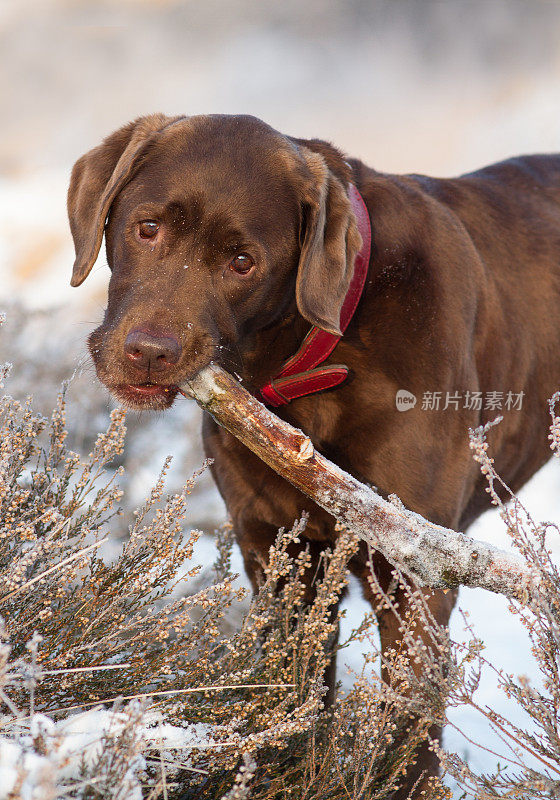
point(430, 554)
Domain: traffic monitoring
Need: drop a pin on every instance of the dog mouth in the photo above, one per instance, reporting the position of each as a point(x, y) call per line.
point(146, 395)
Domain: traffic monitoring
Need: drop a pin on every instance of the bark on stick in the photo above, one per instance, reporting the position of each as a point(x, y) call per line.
point(430, 554)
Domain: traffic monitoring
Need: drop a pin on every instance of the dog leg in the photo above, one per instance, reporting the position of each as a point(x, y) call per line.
point(392, 621)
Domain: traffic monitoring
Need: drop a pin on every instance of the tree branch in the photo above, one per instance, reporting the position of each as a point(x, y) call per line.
point(430, 554)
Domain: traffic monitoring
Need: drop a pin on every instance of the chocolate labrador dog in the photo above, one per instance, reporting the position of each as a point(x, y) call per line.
point(227, 240)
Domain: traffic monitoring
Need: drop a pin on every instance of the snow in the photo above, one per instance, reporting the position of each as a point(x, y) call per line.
point(203, 386)
point(57, 752)
point(54, 753)
point(173, 737)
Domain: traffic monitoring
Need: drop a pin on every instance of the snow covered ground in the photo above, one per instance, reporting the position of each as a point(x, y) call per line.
point(44, 757)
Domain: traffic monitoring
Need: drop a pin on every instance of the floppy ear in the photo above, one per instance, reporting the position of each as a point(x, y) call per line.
point(330, 245)
point(97, 178)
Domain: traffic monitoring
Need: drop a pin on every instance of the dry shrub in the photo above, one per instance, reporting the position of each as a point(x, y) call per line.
point(531, 768)
point(92, 621)
point(190, 710)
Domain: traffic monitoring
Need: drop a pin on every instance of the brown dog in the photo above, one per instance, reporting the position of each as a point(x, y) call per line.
point(227, 239)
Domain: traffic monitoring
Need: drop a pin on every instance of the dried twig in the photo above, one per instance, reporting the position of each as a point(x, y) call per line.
point(431, 554)
point(44, 574)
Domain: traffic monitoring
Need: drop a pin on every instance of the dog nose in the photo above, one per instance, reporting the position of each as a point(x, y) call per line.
point(152, 351)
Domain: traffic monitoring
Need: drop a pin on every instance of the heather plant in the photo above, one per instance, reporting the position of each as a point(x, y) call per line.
point(530, 767)
point(114, 683)
point(119, 679)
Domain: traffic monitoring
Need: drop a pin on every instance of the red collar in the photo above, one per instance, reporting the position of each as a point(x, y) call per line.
point(299, 375)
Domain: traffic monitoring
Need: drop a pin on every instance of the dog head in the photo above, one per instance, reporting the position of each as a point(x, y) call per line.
point(216, 228)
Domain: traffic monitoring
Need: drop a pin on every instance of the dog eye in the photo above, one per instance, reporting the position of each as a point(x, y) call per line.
point(147, 229)
point(242, 264)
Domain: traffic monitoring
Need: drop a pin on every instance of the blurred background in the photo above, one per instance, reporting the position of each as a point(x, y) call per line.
point(407, 85)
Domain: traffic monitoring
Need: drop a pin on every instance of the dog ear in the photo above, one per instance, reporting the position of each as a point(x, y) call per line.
point(330, 243)
point(97, 178)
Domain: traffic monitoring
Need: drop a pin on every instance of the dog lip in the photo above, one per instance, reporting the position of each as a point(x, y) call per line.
point(149, 389)
point(146, 394)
